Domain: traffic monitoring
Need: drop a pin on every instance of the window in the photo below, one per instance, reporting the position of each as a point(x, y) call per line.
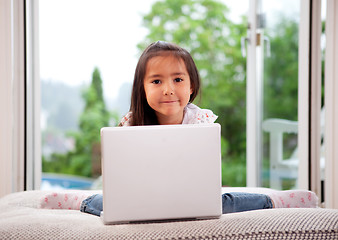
point(100, 42)
point(83, 73)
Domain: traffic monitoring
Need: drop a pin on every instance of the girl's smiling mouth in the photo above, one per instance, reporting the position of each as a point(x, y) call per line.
point(169, 101)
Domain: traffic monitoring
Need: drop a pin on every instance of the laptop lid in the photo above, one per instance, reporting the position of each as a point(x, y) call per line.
point(161, 172)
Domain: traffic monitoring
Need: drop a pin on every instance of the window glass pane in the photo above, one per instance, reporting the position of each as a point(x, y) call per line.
point(88, 53)
point(280, 93)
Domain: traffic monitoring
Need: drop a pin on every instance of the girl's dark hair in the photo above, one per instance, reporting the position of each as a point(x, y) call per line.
point(142, 113)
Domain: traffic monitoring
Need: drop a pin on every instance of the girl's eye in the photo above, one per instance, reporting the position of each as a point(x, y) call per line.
point(156, 81)
point(178, 79)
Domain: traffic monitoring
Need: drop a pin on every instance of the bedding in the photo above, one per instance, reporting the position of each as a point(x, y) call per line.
point(20, 218)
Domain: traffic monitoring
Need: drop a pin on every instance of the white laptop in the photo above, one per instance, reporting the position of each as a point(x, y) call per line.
point(161, 173)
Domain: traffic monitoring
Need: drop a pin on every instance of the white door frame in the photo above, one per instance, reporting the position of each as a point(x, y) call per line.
point(253, 109)
point(309, 96)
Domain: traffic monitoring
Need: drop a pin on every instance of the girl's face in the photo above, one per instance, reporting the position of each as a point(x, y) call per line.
point(167, 87)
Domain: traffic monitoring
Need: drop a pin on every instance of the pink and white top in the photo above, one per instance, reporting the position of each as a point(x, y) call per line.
point(192, 115)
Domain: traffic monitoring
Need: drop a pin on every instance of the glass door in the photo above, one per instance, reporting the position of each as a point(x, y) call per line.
point(272, 94)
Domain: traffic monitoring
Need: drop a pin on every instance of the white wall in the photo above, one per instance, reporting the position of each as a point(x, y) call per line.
point(11, 96)
point(331, 105)
point(6, 114)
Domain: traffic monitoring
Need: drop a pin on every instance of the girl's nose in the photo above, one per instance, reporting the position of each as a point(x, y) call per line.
point(168, 93)
point(168, 89)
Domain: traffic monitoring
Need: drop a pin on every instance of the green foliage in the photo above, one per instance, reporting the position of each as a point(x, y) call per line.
point(281, 72)
point(204, 29)
point(92, 119)
point(233, 173)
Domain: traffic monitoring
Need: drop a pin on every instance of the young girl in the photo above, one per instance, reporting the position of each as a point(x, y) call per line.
point(166, 81)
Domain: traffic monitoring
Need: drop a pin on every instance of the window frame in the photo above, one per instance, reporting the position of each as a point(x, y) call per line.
point(20, 143)
point(33, 133)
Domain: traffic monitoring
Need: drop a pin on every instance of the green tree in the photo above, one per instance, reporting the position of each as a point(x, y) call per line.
point(87, 139)
point(93, 118)
point(281, 71)
point(204, 29)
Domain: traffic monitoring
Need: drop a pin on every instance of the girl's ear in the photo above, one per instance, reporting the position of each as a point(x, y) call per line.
point(191, 90)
